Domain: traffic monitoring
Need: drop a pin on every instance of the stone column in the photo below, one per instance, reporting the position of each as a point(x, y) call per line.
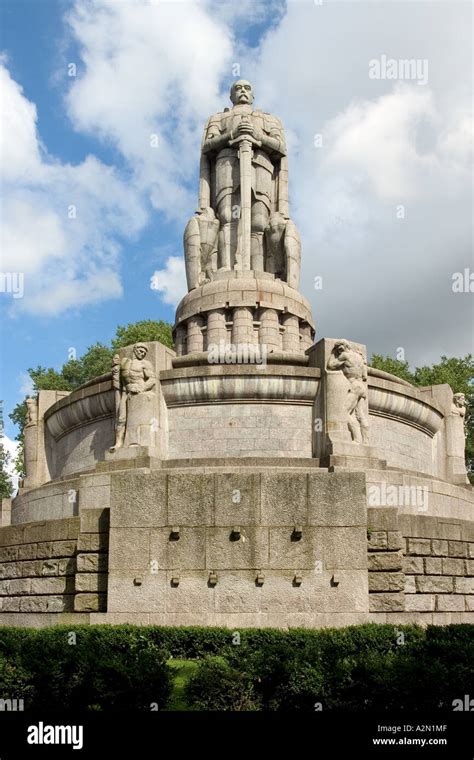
point(242, 327)
point(180, 340)
point(195, 336)
point(270, 330)
point(216, 329)
point(291, 335)
point(306, 339)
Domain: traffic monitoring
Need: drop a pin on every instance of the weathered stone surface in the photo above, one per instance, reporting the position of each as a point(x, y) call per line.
point(439, 547)
point(377, 540)
point(464, 585)
point(251, 551)
point(394, 539)
point(50, 585)
point(284, 499)
point(418, 546)
point(434, 566)
point(130, 549)
point(454, 567)
point(432, 584)
point(50, 567)
point(63, 548)
point(386, 582)
point(91, 582)
point(386, 602)
point(413, 565)
point(385, 561)
point(337, 500)
point(95, 520)
point(138, 500)
point(92, 542)
point(457, 549)
point(191, 499)
point(410, 584)
point(34, 604)
point(420, 602)
point(28, 551)
point(92, 563)
point(284, 552)
point(89, 602)
point(237, 499)
point(450, 603)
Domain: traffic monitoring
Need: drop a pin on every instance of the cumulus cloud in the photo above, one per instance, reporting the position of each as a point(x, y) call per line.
point(61, 224)
point(383, 196)
point(150, 75)
point(170, 281)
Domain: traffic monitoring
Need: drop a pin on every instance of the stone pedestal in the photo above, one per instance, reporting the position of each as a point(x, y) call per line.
point(333, 429)
point(146, 424)
point(35, 446)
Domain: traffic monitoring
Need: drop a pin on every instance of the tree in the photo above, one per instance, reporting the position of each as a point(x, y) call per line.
point(394, 366)
point(96, 361)
point(458, 373)
point(6, 487)
point(146, 330)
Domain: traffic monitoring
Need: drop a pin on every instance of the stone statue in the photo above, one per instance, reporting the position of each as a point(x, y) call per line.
point(283, 249)
point(200, 245)
point(354, 368)
point(459, 405)
point(32, 411)
point(134, 382)
point(243, 221)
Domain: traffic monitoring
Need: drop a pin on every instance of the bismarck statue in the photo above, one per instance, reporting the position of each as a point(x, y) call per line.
point(242, 222)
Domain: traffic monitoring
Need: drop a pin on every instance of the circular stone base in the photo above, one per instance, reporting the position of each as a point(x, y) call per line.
point(244, 308)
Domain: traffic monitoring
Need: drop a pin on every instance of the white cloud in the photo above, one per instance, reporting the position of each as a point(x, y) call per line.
point(150, 77)
point(386, 281)
point(170, 281)
point(26, 385)
point(61, 224)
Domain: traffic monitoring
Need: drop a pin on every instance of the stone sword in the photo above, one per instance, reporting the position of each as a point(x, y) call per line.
point(245, 143)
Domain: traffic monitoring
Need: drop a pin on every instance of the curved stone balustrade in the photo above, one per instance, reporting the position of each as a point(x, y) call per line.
point(403, 404)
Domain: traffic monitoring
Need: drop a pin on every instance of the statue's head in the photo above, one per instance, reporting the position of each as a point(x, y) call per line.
point(459, 400)
point(341, 346)
point(140, 350)
point(241, 93)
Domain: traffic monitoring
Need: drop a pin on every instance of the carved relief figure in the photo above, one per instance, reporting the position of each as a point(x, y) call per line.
point(132, 379)
point(243, 194)
point(459, 405)
point(354, 368)
point(32, 411)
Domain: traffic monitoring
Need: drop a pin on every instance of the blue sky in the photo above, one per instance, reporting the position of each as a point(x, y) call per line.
point(145, 66)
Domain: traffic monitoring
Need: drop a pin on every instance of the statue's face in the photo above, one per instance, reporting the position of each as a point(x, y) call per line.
point(341, 347)
point(459, 399)
point(140, 352)
point(241, 93)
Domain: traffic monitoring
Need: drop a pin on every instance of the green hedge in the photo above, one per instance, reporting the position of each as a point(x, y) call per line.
point(368, 667)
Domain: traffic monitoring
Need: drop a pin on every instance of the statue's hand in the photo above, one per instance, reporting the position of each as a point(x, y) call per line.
point(134, 388)
point(245, 127)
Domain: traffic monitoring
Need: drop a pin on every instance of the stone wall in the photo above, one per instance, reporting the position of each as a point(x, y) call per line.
point(240, 430)
point(256, 548)
point(54, 566)
point(420, 565)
